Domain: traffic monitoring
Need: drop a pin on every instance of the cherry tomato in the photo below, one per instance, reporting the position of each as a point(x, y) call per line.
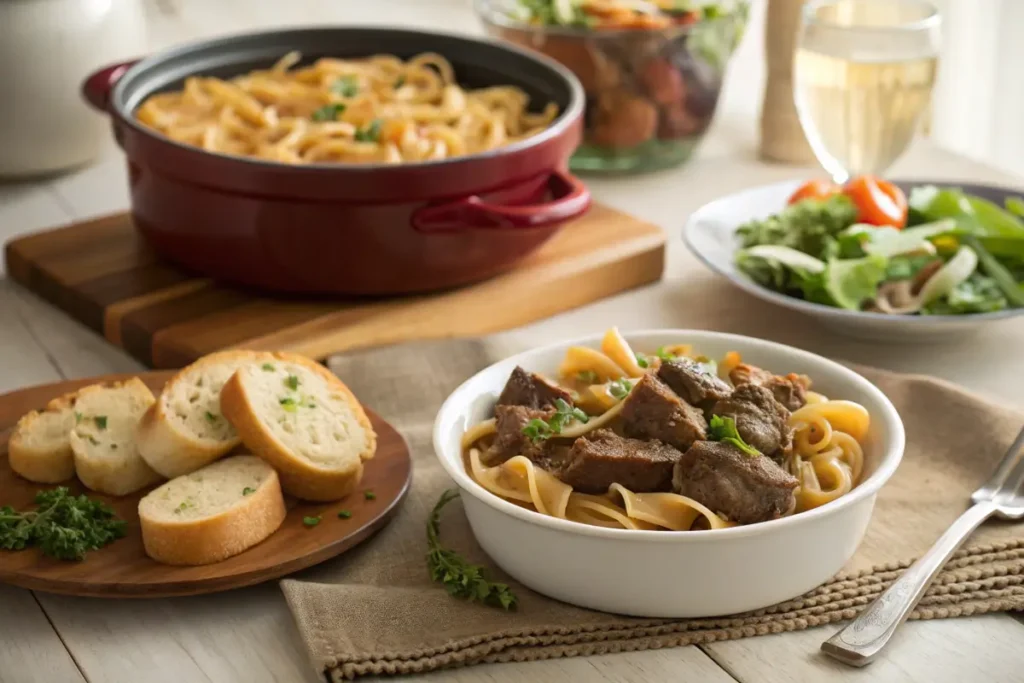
point(814, 189)
point(878, 202)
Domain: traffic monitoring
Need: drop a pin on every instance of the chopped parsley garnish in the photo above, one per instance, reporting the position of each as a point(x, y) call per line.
point(93, 440)
point(267, 367)
point(328, 112)
point(248, 490)
point(588, 376)
point(664, 354)
point(346, 86)
point(400, 82)
point(724, 429)
point(78, 417)
point(182, 506)
point(539, 430)
point(641, 361)
point(292, 382)
point(310, 521)
point(344, 514)
point(62, 526)
point(460, 578)
point(101, 421)
point(289, 405)
point(370, 133)
point(210, 417)
point(369, 495)
point(620, 388)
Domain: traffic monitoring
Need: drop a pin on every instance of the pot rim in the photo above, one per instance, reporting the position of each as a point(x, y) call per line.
point(565, 120)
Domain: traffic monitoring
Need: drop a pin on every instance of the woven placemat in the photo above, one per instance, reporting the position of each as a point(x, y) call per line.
point(375, 611)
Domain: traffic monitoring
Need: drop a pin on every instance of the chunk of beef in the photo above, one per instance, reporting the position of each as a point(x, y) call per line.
point(789, 390)
point(760, 419)
point(531, 390)
point(653, 411)
point(510, 440)
point(692, 381)
point(743, 488)
point(602, 458)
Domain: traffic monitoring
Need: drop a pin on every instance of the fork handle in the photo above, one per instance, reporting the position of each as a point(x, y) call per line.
point(864, 637)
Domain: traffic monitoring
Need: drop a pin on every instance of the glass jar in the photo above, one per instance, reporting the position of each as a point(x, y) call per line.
point(651, 93)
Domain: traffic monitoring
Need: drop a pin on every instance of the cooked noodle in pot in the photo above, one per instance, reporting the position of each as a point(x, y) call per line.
point(380, 109)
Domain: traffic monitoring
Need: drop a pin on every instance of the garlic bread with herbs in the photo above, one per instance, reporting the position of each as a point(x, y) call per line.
point(304, 421)
point(213, 513)
point(184, 430)
point(103, 437)
point(40, 448)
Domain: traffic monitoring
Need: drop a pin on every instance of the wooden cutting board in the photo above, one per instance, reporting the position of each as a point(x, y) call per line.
point(103, 274)
point(122, 569)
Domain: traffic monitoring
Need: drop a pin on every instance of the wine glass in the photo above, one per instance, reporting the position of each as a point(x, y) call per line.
point(863, 75)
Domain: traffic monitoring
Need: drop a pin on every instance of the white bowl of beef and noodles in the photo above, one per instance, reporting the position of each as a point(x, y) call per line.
point(669, 473)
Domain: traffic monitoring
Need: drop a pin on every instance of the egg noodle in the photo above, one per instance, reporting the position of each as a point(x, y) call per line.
point(826, 456)
point(380, 109)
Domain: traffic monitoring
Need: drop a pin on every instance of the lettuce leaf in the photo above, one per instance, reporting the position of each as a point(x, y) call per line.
point(977, 294)
point(973, 215)
point(810, 226)
point(851, 282)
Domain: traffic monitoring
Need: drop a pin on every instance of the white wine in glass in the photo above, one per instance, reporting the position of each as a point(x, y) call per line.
point(863, 77)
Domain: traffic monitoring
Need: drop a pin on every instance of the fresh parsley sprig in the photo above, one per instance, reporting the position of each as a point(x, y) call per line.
point(665, 354)
point(565, 414)
point(62, 526)
point(460, 578)
point(620, 388)
point(346, 86)
point(724, 429)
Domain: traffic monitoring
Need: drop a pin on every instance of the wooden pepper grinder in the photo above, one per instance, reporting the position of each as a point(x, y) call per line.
point(782, 138)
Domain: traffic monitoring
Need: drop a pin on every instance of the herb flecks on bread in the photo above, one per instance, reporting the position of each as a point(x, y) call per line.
point(213, 513)
point(103, 437)
point(185, 430)
point(304, 421)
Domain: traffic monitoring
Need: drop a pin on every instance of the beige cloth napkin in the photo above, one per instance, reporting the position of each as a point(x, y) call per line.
point(375, 610)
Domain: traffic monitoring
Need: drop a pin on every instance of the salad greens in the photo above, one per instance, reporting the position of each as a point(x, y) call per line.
point(956, 254)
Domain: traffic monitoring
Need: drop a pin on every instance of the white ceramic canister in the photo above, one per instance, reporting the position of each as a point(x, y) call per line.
point(47, 48)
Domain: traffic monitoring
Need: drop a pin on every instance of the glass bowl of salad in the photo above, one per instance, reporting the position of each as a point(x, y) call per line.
point(652, 69)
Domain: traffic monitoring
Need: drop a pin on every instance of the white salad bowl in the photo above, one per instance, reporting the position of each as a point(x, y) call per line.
point(673, 573)
point(710, 233)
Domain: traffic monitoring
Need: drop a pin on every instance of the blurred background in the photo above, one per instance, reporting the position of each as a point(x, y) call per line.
point(977, 107)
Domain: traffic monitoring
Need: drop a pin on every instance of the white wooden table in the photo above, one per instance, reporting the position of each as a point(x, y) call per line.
point(248, 635)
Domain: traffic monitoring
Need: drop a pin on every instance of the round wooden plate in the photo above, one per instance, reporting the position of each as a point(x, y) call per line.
point(122, 569)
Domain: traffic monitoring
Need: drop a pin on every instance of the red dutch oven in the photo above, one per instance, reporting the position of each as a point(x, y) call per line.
point(346, 228)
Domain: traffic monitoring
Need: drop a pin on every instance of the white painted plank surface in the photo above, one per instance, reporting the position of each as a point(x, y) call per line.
point(985, 648)
point(30, 651)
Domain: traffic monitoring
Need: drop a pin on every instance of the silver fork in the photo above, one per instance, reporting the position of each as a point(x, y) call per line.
point(864, 637)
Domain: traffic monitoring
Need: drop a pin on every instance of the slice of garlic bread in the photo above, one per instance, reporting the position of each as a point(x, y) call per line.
point(213, 513)
point(40, 448)
point(304, 421)
point(184, 430)
point(103, 437)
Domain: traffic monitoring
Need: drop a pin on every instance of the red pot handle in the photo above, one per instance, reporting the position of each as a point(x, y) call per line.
point(97, 85)
point(570, 199)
